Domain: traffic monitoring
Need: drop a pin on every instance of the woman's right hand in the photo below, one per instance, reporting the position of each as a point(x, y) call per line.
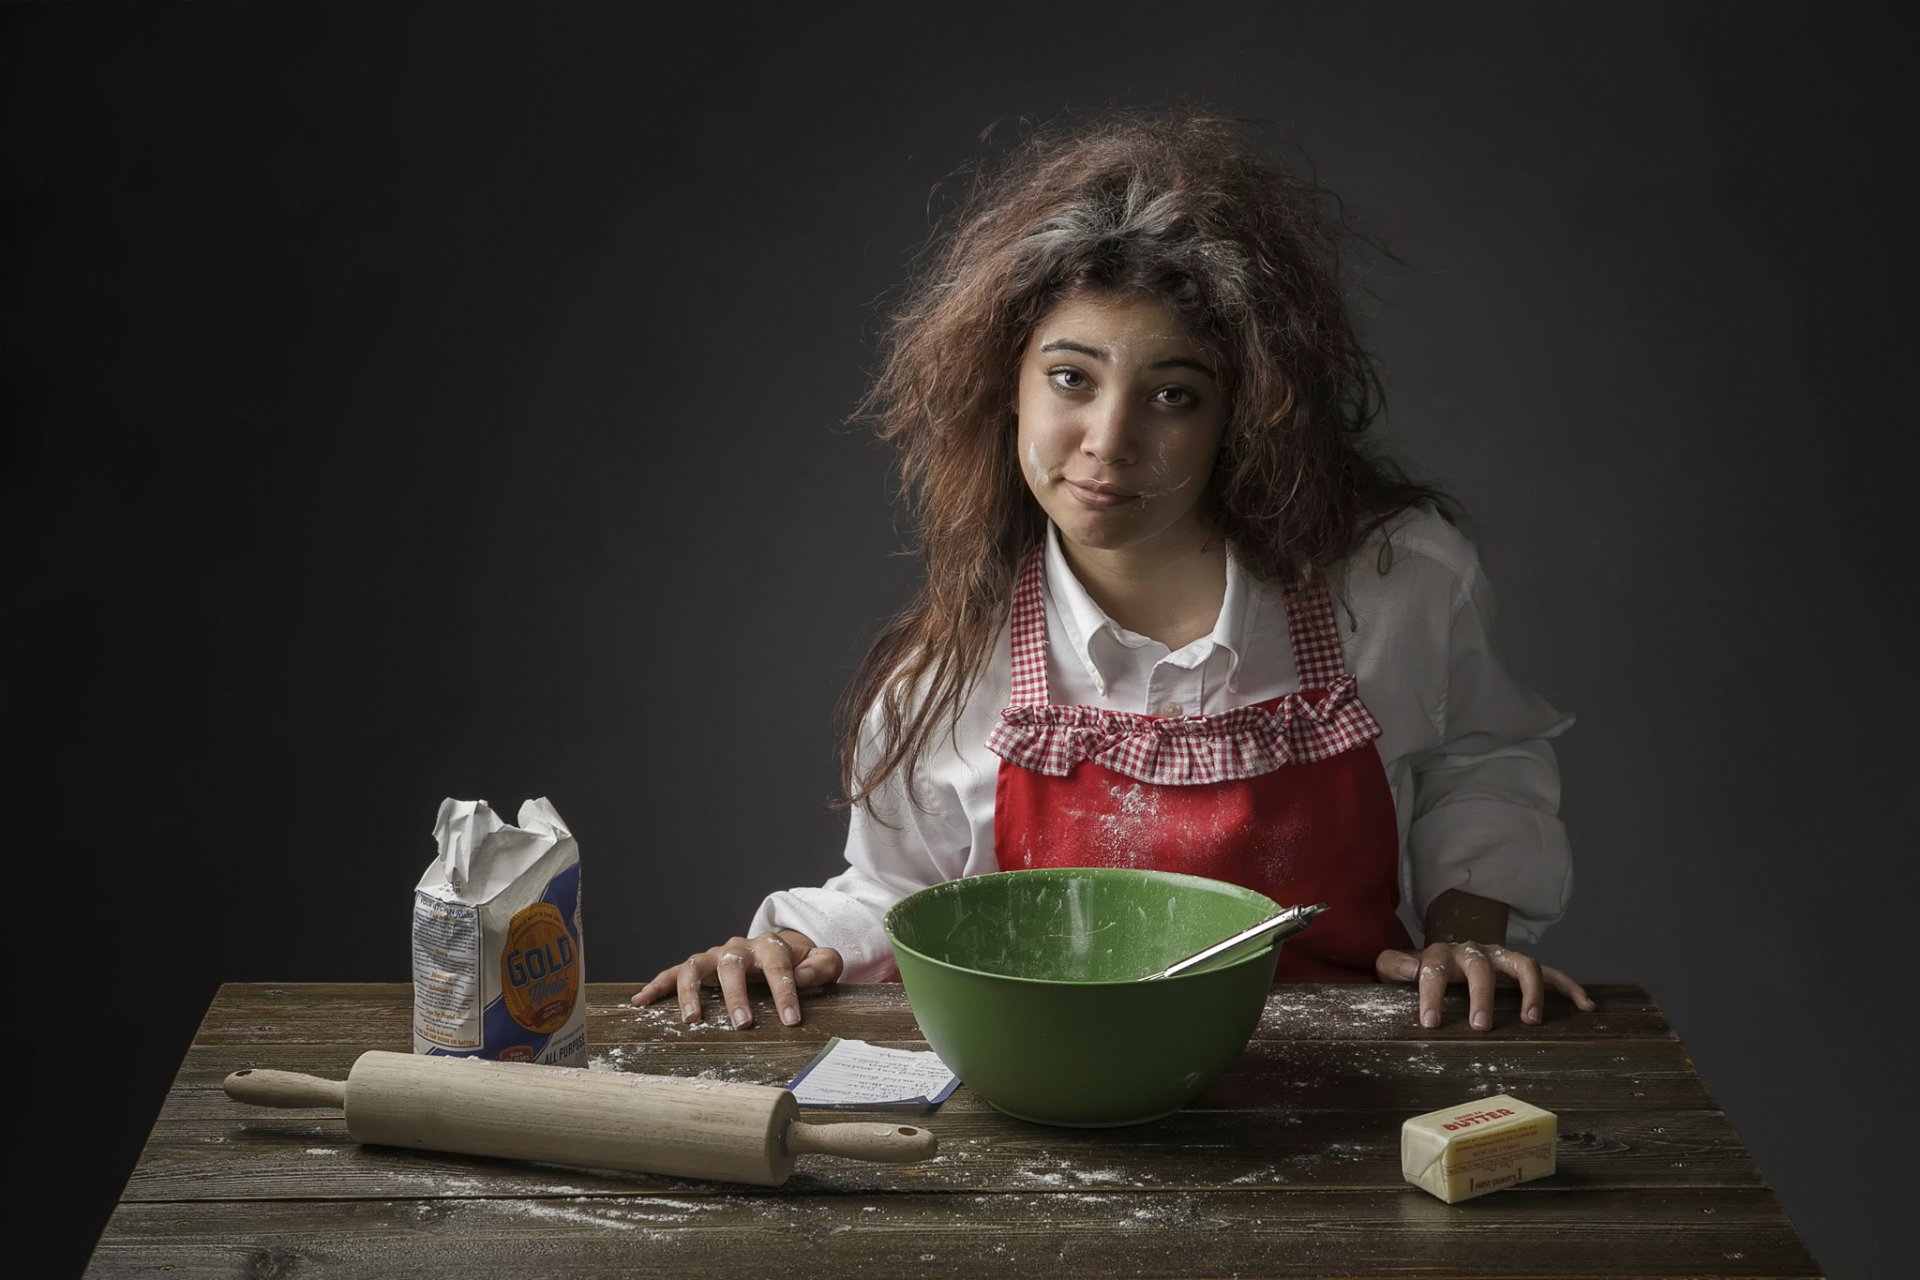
point(786, 960)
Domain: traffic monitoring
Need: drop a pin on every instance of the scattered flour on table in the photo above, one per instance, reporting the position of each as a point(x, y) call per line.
point(622, 1059)
point(644, 1225)
point(1297, 1161)
point(1063, 1174)
point(1259, 1176)
point(1491, 1074)
point(735, 1073)
point(663, 1018)
point(1133, 1208)
point(1381, 1007)
point(948, 1156)
point(648, 1218)
point(581, 1215)
point(448, 1184)
point(614, 1058)
point(323, 1151)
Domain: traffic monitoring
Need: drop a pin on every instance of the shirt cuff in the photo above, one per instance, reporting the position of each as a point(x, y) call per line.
point(833, 919)
point(1511, 854)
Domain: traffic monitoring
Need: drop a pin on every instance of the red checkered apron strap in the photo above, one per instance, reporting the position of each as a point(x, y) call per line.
point(1318, 658)
point(1030, 634)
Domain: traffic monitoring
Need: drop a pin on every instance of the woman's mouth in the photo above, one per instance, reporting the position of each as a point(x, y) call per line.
point(1094, 495)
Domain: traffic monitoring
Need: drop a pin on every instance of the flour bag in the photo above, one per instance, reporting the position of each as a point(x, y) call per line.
point(497, 965)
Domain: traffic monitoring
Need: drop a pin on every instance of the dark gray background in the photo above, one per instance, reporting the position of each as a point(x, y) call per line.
point(436, 402)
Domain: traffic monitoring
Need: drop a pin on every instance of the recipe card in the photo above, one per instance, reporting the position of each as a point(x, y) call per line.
point(853, 1073)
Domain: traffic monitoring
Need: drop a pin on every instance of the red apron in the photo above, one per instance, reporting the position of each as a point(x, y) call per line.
point(1286, 796)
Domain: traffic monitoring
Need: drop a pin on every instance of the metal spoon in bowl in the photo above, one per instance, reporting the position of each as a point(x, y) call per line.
point(1292, 920)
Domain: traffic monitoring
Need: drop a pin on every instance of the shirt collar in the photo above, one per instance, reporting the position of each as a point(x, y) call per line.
point(1088, 629)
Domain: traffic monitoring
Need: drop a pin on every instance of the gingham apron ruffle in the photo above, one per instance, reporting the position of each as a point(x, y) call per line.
point(1036, 733)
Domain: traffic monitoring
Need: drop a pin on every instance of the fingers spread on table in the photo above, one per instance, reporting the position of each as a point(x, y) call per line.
point(818, 966)
point(786, 962)
point(1568, 987)
point(775, 956)
point(1474, 961)
point(1396, 966)
point(688, 978)
point(732, 963)
point(1523, 969)
point(1483, 965)
point(661, 983)
point(1436, 970)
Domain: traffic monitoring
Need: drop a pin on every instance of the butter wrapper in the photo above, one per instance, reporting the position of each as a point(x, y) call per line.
point(1461, 1152)
point(497, 965)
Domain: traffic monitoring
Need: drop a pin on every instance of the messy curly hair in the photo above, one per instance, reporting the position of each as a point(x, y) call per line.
point(1182, 205)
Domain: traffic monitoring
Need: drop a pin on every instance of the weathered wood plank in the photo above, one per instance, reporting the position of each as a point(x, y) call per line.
point(380, 1016)
point(1400, 1076)
point(279, 1156)
point(1569, 1233)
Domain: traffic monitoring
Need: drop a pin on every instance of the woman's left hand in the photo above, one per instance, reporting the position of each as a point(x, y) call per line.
point(1481, 966)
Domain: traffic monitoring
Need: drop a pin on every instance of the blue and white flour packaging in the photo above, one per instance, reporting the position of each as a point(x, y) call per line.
point(497, 964)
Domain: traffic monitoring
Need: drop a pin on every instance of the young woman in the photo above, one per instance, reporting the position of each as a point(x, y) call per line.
point(1176, 614)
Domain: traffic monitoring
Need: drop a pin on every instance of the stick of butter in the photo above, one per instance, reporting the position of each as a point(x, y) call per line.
point(1466, 1151)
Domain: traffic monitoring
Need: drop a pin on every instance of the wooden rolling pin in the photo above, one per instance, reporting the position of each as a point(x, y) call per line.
point(687, 1128)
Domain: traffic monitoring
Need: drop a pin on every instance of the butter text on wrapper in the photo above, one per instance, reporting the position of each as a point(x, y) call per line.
point(1461, 1152)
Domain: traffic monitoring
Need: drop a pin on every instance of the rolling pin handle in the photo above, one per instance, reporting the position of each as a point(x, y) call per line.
point(861, 1140)
point(265, 1088)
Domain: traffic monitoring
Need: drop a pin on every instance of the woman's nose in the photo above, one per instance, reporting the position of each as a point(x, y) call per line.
point(1109, 435)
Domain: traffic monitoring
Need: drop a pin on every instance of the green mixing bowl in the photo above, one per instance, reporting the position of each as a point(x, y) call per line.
point(1026, 985)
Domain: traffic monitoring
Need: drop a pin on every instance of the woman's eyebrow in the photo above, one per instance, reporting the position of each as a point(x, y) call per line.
point(1182, 362)
point(1171, 362)
point(1068, 344)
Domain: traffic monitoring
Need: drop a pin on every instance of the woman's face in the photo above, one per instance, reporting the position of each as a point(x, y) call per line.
point(1120, 418)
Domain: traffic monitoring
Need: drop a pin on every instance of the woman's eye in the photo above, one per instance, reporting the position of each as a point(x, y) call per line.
point(1067, 379)
point(1178, 397)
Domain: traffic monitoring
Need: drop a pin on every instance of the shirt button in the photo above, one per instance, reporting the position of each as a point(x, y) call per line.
point(1171, 708)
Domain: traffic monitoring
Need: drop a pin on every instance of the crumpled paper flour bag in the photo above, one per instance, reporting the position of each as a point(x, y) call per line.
point(497, 964)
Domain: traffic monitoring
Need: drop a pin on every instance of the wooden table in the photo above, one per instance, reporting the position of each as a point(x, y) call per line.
point(1288, 1167)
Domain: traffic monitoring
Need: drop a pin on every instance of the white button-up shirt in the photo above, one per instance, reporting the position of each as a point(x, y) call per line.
point(1475, 786)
